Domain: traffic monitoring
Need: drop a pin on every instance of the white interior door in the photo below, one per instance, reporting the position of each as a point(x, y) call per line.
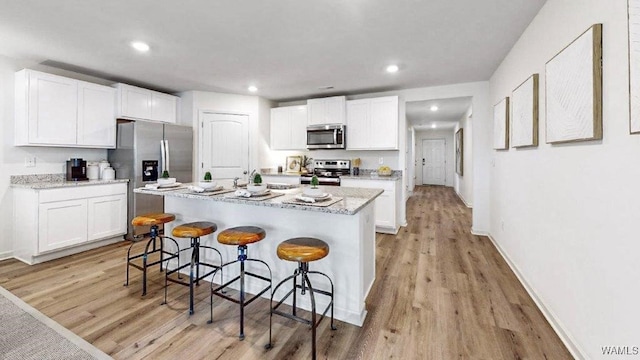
point(225, 145)
point(433, 162)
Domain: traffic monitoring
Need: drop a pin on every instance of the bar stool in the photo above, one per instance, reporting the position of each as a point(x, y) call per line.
point(302, 250)
point(152, 220)
point(194, 231)
point(240, 236)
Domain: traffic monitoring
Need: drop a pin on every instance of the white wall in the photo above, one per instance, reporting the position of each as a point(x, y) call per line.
point(48, 159)
point(463, 185)
point(570, 212)
point(449, 152)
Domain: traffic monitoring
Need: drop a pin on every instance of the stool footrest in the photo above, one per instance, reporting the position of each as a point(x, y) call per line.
point(298, 318)
point(218, 291)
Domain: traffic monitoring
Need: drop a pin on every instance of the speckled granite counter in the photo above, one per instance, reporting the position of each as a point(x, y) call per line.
point(353, 200)
point(62, 184)
point(348, 227)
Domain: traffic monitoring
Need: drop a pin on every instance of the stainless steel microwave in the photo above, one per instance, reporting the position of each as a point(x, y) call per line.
point(330, 136)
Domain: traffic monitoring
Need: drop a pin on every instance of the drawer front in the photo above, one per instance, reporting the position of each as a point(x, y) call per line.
point(369, 184)
point(81, 192)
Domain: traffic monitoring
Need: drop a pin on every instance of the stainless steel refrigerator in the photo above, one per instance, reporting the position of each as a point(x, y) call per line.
point(143, 151)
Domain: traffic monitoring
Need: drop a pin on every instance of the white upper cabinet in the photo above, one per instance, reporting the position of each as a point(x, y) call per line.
point(289, 128)
point(144, 104)
point(96, 115)
point(53, 110)
point(330, 110)
point(372, 124)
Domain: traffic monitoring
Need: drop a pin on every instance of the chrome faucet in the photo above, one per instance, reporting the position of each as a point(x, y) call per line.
point(235, 182)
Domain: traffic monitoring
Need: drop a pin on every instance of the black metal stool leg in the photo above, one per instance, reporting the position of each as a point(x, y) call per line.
point(305, 279)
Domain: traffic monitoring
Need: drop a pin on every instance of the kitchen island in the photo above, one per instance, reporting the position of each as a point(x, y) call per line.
point(347, 226)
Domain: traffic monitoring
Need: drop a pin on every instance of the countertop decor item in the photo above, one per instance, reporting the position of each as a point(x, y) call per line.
point(257, 186)
point(294, 163)
point(385, 171)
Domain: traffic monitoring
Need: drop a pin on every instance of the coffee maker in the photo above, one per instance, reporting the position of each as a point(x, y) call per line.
point(76, 170)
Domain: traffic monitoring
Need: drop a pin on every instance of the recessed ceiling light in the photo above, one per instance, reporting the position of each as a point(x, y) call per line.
point(434, 108)
point(252, 88)
point(392, 68)
point(140, 46)
point(433, 126)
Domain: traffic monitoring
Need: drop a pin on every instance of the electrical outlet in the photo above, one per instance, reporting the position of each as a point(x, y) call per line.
point(381, 160)
point(30, 161)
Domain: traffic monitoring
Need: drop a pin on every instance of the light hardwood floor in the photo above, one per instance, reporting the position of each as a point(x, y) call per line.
point(440, 293)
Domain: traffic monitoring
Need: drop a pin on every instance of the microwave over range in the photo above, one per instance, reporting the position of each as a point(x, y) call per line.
point(331, 136)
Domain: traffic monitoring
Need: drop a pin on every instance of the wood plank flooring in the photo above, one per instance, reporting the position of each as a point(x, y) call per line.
point(440, 293)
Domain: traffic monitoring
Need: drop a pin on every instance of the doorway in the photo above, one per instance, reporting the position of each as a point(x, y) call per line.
point(225, 145)
point(434, 162)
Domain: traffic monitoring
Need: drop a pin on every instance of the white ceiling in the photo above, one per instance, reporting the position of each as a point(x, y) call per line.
point(450, 111)
point(288, 48)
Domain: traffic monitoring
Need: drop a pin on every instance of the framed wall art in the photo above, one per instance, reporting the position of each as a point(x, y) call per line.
point(501, 125)
point(634, 66)
point(294, 163)
point(524, 113)
point(573, 80)
point(459, 139)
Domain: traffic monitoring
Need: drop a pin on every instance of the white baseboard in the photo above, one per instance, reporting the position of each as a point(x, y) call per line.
point(479, 232)
point(463, 200)
point(568, 341)
point(6, 255)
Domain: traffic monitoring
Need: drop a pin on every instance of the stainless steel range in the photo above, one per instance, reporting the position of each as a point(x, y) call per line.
point(328, 172)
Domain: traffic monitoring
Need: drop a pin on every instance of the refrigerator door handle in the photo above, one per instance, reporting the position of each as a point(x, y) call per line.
point(163, 156)
point(168, 158)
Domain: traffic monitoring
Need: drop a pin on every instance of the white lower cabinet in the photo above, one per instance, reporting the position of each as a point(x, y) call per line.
point(281, 179)
point(105, 214)
point(386, 205)
point(50, 223)
point(61, 224)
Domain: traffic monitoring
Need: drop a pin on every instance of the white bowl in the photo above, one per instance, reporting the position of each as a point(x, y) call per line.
point(207, 184)
point(312, 192)
point(166, 181)
point(256, 188)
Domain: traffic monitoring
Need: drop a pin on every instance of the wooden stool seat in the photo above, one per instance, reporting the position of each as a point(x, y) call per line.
point(194, 229)
point(241, 235)
point(152, 219)
point(303, 249)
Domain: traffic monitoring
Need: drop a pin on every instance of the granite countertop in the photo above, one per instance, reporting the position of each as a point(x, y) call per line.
point(63, 184)
point(354, 199)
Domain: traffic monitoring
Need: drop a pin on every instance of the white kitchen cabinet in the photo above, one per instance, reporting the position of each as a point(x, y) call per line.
point(105, 214)
point(329, 110)
point(96, 115)
point(289, 128)
point(372, 124)
point(62, 224)
point(386, 205)
point(53, 110)
point(137, 103)
point(60, 221)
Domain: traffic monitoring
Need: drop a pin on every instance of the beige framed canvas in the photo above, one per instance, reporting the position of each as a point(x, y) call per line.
point(573, 81)
point(459, 140)
point(501, 125)
point(634, 66)
point(294, 164)
point(524, 114)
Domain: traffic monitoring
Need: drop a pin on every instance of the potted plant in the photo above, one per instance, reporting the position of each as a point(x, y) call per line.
point(313, 189)
point(207, 183)
point(257, 186)
point(166, 179)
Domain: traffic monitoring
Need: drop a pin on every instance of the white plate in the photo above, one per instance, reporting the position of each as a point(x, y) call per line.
point(166, 186)
point(217, 188)
point(325, 196)
point(261, 193)
point(317, 197)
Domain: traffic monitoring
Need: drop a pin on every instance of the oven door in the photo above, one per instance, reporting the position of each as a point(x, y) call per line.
point(326, 137)
point(326, 181)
